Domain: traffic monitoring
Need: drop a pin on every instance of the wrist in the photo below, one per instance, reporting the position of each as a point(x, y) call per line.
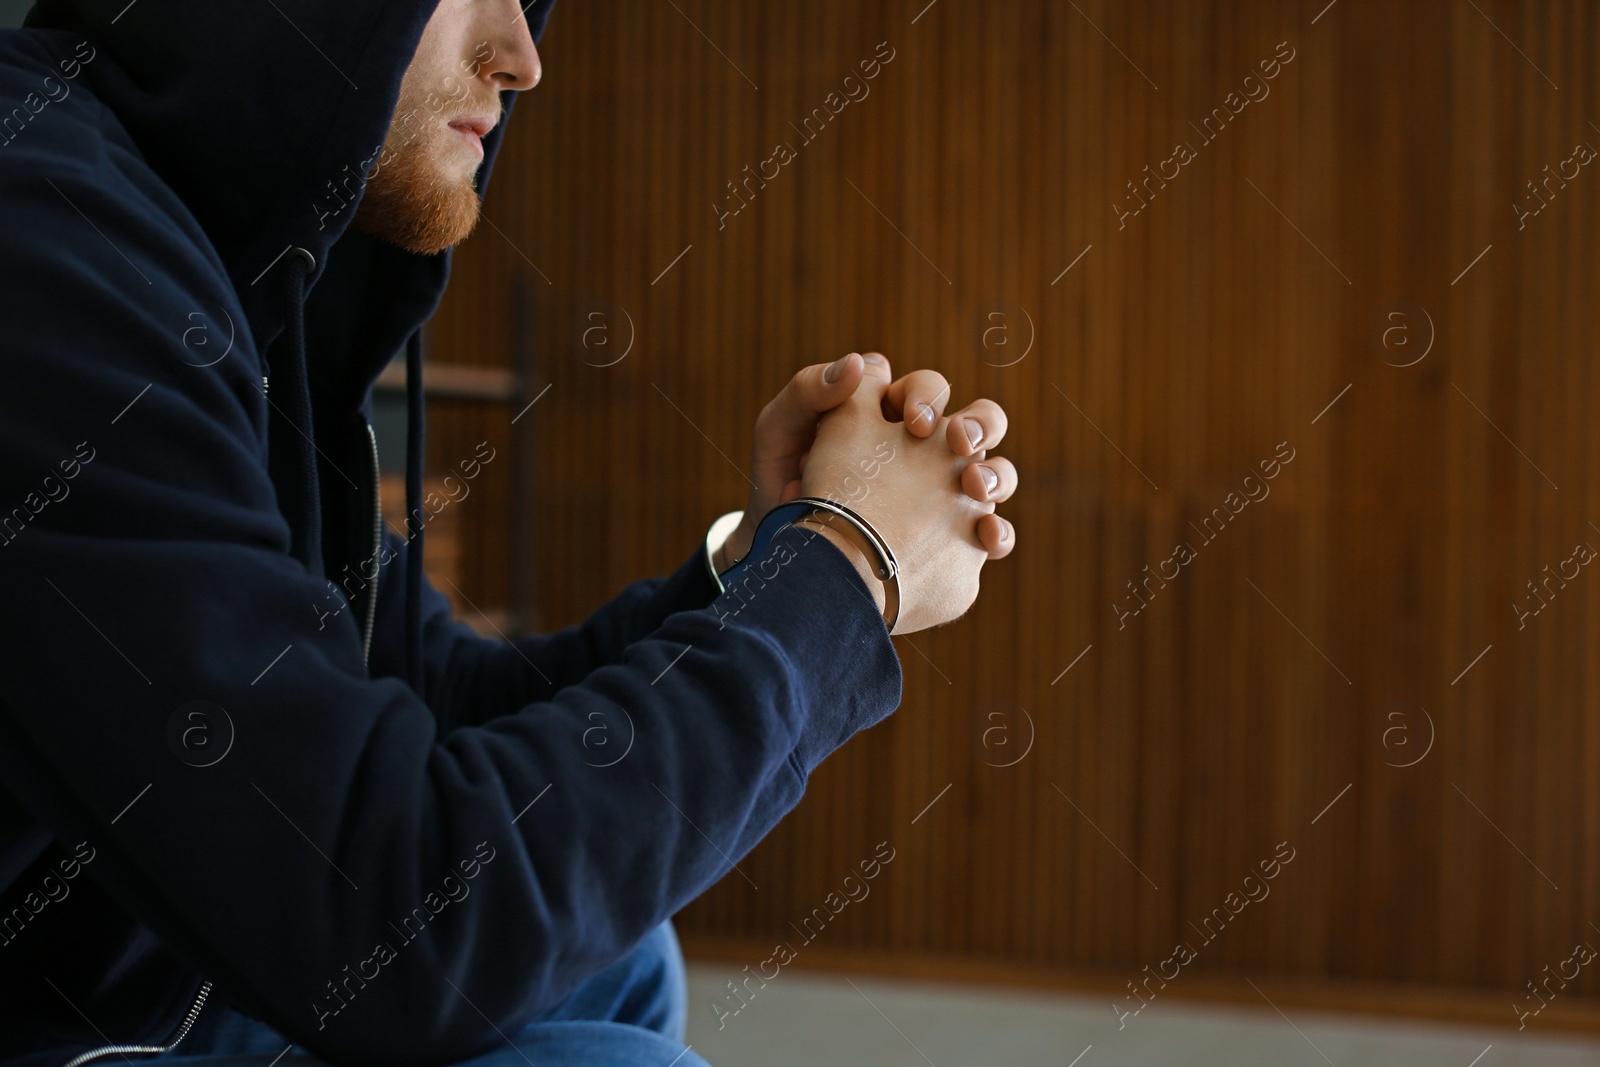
point(864, 565)
point(733, 549)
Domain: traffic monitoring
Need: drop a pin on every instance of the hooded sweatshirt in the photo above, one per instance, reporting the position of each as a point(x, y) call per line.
point(246, 754)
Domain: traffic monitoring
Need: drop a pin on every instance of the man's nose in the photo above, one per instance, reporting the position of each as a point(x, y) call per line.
point(515, 62)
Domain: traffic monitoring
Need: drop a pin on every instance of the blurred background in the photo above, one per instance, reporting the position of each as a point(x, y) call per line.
point(1342, 348)
point(1290, 307)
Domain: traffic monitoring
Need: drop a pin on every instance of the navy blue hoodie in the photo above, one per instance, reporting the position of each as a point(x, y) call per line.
point(245, 752)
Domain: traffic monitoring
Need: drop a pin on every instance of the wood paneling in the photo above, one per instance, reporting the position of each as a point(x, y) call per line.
point(1241, 312)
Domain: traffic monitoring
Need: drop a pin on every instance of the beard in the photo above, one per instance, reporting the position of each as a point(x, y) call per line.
point(412, 198)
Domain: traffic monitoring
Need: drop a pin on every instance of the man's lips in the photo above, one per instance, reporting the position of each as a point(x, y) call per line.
point(478, 124)
point(474, 128)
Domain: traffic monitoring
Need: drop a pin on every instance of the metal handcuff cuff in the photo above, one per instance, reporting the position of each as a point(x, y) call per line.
point(836, 516)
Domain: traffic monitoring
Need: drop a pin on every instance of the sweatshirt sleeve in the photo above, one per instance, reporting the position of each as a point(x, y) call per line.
point(471, 678)
point(378, 894)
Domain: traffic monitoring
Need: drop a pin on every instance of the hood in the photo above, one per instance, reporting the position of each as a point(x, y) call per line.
point(260, 116)
point(265, 119)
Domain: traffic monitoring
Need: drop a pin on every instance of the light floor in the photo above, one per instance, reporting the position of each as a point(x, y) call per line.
point(808, 1020)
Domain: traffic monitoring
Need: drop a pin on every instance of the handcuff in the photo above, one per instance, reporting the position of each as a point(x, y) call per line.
point(836, 516)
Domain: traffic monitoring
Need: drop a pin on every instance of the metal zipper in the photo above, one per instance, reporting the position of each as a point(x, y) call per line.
point(122, 1050)
point(377, 544)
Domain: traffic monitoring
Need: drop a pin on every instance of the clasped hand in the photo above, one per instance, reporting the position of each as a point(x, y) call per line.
point(849, 432)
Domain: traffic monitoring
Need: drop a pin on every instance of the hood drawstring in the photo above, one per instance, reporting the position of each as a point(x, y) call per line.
point(414, 512)
point(304, 497)
point(305, 501)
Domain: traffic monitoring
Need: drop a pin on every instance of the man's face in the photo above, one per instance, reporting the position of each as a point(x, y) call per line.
point(420, 195)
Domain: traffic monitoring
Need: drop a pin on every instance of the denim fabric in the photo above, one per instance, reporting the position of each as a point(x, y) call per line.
point(632, 1014)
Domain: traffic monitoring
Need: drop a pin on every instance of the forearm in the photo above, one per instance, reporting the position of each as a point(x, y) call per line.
point(853, 552)
point(478, 679)
point(472, 679)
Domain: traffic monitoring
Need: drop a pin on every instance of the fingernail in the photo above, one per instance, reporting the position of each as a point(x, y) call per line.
point(924, 412)
point(1005, 533)
point(991, 480)
point(874, 357)
point(830, 374)
point(974, 431)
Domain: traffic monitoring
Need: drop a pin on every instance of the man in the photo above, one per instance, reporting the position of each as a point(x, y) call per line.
point(257, 788)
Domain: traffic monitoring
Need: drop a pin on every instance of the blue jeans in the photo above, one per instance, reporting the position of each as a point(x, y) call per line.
point(632, 1013)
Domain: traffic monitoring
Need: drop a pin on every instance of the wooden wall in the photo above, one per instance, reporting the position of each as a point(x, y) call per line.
point(1357, 617)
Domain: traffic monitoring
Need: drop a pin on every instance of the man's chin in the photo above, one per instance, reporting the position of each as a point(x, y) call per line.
point(422, 218)
point(444, 229)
